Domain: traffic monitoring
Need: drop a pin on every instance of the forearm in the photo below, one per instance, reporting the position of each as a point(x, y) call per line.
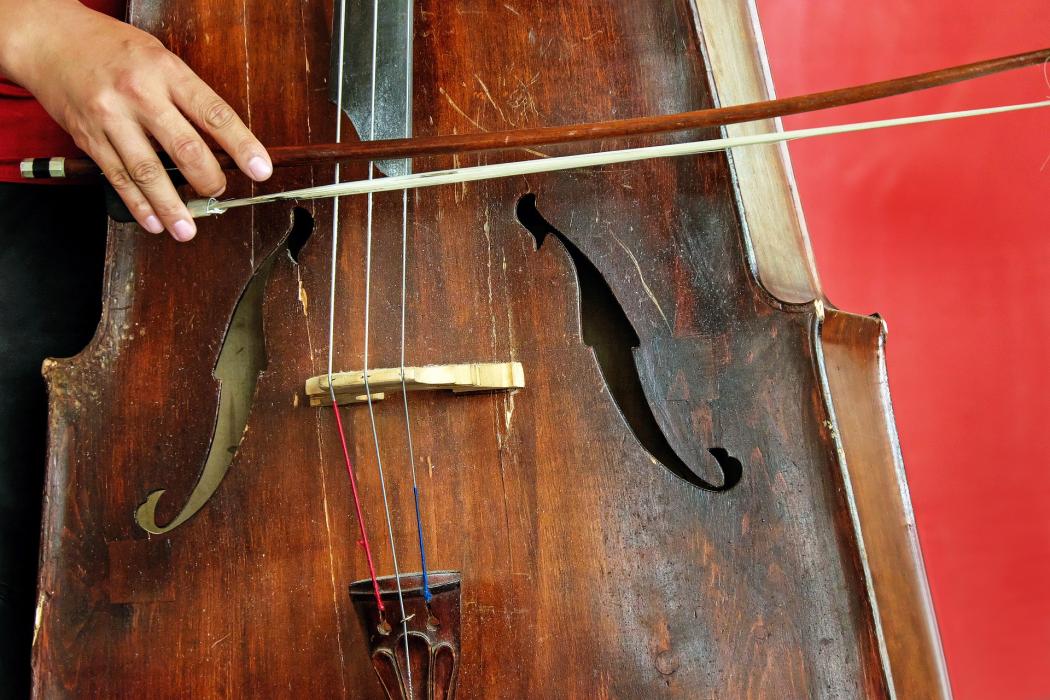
point(29, 31)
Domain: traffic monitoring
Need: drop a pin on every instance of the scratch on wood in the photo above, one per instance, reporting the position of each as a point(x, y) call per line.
point(247, 67)
point(522, 100)
point(536, 153)
point(331, 554)
point(303, 299)
point(460, 111)
point(485, 89)
point(501, 456)
point(511, 344)
point(460, 192)
point(41, 601)
point(487, 230)
point(248, 119)
point(508, 411)
point(306, 63)
point(641, 278)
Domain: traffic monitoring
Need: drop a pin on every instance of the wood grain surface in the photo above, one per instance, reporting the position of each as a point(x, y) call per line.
point(588, 568)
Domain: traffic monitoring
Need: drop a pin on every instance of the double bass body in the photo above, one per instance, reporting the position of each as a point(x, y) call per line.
point(669, 325)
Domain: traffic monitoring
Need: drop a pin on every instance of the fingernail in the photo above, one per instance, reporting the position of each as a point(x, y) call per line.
point(153, 224)
point(183, 230)
point(260, 168)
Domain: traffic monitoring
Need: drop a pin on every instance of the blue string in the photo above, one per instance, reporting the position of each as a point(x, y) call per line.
point(422, 552)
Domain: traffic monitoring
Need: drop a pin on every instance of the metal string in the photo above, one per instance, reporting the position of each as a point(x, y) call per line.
point(331, 321)
point(368, 390)
point(404, 302)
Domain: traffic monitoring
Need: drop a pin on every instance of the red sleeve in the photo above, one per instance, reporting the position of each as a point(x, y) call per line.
point(26, 130)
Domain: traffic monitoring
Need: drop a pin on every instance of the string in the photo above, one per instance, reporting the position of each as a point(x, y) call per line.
point(331, 322)
point(368, 390)
point(206, 207)
point(404, 294)
point(357, 506)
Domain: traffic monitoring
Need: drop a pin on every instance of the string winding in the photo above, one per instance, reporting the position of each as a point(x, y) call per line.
point(331, 328)
point(367, 329)
point(364, 374)
point(404, 302)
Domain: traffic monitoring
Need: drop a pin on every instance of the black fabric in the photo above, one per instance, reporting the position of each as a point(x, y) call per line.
point(52, 245)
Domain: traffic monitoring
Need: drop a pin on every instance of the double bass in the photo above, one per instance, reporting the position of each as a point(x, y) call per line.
point(589, 433)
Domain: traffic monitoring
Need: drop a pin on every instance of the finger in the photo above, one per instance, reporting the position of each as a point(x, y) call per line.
point(106, 157)
point(188, 150)
point(212, 114)
point(148, 174)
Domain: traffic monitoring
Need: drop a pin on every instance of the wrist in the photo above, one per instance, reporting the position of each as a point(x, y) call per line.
point(27, 32)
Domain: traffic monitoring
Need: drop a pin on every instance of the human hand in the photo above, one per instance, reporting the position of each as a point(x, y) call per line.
point(113, 87)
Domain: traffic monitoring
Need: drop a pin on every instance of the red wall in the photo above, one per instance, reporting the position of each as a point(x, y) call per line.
point(944, 230)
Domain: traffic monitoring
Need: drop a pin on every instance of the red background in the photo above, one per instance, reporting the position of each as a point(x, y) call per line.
point(942, 229)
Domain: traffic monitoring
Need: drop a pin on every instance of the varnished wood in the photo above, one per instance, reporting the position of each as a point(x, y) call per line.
point(587, 568)
point(773, 223)
point(855, 367)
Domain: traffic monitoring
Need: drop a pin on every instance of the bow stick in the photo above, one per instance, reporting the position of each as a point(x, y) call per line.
point(286, 156)
point(207, 207)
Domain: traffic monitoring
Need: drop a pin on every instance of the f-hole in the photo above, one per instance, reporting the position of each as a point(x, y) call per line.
point(242, 358)
point(608, 332)
point(302, 228)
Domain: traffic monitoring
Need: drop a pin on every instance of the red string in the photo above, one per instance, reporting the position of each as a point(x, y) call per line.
point(357, 507)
